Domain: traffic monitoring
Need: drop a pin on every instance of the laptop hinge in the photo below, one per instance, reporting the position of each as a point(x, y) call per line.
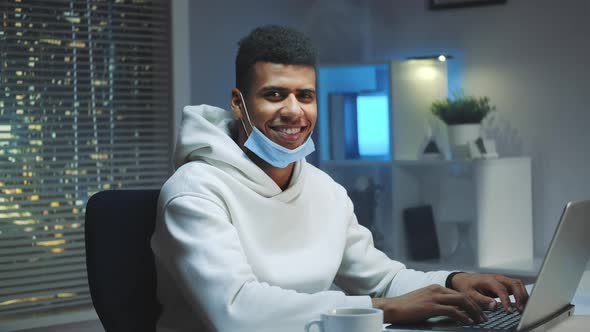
point(550, 321)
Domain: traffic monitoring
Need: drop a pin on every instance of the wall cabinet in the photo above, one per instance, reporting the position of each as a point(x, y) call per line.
point(482, 206)
point(482, 211)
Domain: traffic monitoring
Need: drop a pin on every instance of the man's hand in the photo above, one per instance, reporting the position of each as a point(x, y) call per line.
point(480, 287)
point(430, 301)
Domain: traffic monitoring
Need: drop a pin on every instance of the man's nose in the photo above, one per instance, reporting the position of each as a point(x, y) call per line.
point(292, 107)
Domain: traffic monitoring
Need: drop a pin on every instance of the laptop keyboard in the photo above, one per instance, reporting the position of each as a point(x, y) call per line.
point(499, 319)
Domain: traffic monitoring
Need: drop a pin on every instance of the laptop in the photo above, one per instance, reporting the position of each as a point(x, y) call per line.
point(557, 281)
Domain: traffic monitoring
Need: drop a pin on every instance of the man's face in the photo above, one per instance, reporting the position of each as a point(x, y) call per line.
point(282, 102)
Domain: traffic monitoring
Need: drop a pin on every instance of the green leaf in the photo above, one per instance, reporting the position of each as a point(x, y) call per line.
point(462, 109)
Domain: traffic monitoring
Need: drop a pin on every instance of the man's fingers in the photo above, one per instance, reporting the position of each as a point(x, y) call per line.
point(520, 293)
point(502, 293)
point(463, 302)
point(454, 313)
point(521, 303)
point(484, 302)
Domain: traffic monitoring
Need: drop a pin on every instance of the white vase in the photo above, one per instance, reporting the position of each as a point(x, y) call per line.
point(462, 134)
point(459, 138)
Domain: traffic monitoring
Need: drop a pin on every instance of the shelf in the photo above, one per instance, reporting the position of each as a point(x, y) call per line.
point(463, 162)
point(413, 163)
point(520, 267)
point(495, 193)
point(436, 265)
point(523, 268)
point(355, 163)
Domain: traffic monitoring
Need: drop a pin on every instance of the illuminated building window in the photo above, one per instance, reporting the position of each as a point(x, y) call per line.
point(84, 106)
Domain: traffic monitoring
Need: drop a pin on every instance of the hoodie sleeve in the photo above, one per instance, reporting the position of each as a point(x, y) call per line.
point(197, 244)
point(366, 270)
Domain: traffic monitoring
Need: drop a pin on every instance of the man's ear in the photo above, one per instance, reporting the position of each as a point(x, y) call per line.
point(236, 104)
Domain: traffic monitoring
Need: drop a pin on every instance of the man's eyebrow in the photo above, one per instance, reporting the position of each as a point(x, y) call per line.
point(307, 90)
point(283, 89)
point(273, 88)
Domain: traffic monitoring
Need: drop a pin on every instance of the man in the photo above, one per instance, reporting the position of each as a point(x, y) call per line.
point(250, 237)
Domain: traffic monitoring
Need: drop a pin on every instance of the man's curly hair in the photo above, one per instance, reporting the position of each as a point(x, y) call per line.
point(275, 44)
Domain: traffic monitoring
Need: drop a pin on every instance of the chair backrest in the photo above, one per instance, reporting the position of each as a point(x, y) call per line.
point(119, 259)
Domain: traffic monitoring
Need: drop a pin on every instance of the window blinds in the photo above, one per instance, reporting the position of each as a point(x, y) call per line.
point(84, 107)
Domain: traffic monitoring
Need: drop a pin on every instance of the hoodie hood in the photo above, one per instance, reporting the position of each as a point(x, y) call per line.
point(203, 131)
point(204, 135)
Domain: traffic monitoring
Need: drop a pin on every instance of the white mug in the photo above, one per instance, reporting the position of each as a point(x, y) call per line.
point(349, 320)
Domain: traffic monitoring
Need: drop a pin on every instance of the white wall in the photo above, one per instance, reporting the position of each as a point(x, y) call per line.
point(215, 29)
point(340, 29)
point(529, 56)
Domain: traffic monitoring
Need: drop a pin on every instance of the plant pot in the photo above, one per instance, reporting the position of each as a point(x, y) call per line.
point(459, 138)
point(461, 135)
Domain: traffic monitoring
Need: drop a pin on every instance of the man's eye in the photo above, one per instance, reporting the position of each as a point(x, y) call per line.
point(306, 96)
point(274, 95)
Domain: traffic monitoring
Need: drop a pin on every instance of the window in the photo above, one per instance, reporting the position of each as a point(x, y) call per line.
point(354, 112)
point(372, 112)
point(84, 107)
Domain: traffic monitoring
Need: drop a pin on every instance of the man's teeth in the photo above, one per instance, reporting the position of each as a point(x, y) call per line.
point(290, 131)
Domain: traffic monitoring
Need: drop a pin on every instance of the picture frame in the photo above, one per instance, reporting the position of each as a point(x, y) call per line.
point(450, 4)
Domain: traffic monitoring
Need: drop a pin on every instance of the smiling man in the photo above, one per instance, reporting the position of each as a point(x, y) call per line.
point(249, 237)
point(284, 99)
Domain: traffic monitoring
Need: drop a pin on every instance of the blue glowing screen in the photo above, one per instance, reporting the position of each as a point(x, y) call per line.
point(373, 125)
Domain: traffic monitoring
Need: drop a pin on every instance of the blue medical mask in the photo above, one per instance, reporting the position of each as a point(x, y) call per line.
point(271, 152)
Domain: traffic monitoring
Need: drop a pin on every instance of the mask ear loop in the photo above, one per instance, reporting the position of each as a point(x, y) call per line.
point(247, 115)
point(243, 125)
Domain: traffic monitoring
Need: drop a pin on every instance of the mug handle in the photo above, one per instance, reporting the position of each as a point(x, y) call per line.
point(312, 323)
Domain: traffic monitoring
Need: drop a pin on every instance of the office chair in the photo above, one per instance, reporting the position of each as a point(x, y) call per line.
point(119, 259)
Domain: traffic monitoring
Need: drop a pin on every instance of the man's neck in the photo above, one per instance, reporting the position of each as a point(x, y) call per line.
point(281, 176)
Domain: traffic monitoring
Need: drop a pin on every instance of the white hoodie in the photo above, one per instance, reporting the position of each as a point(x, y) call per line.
point(235, 251)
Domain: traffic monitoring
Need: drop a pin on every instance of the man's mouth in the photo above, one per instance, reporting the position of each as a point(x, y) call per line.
point(289, 134)
point(289, 131)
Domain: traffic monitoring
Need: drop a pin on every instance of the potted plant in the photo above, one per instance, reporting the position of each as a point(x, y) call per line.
point(463, 115)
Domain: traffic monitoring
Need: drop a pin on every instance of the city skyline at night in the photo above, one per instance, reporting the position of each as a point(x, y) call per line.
point(84, 107)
